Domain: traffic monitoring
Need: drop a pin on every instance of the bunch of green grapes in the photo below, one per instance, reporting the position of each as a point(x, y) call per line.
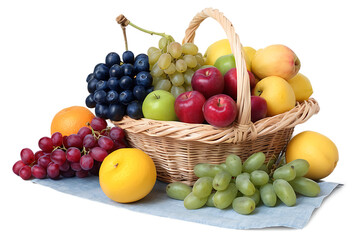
point(244, 185)
point(173, 65)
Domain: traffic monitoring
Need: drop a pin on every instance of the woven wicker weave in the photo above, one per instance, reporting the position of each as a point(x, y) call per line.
point(176, 147)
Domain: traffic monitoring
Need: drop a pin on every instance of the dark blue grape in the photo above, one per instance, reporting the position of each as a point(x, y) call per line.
point(90, 77)
point(139, 92)
point(101, 110)
point(141, 64)
point(102, 85)
point(102, 72)
point(126, 83)
point(144, 79)
point(134, 110)
point(89, 101)
point(114, 84)
point(116, 71)
point(112, 58)
point(92, 85)
point(100, 96)
point(128, 69)
point(116, 112)
point(141, 55)
point(128, 57)
point(126, 97)
point(112, 96)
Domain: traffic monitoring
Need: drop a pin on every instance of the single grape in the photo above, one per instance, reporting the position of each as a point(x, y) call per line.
point(27, 156)
point(116, 111)
point(53, 171)
point(210, 200)
point(86, 162)
point(67, 174)
point(117, 133)
point(193, 202)
point(176, 91)
point(46, 144)
point(102, 85)
point(188, 76)
point(190, 61)
point(233, 165)
point(128, 57)
point(100, 96)
point(92, 85)
point(98, 153)
point(222, 199)
point(101, 110)
point(181, 65)
point(164, 61)
point(206, 170)
point(89, 141)
point(106, 142)
point(284, 192)
point(39, 154)
point(255, 196)
point(175, 49)
point(171, 69)
point(75, 166)
point(156, 71)
point(74, 140)
point(25, 172)
point(134, 110)
point(83, 132)
point(152, 50)
point(243, 205)
point(154, 56)
point(65, 166)
point(259, 177)
point(301, 166)
point(305, 186)
point(221, 180)
point(73, 154)
point(112, 97)
point(268, 195)
point(141, 63)
point(44, 161)
point(38, 171)
point(254, 162)
point(178, 190)
point(244, 185)
point(286, 172)
point(164, 84)
point(112, 58)
point(17, 166)
point(126, 83)
point(57, 139)
point(177, 79)
point(163, 42)
point(98, 124)
point(200, 60)
point(128, 70)
point(202, 187)
point(126, 97)
point(189, 48)
point(58, 156)
point(144, 79)
point(139, 92)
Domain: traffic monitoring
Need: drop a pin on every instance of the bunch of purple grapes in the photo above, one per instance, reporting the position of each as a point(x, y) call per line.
point(77, 155)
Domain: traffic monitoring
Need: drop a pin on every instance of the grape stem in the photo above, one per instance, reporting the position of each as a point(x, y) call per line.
point(169, 37)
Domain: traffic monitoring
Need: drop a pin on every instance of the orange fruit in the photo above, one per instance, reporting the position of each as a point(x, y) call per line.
point(127, 175)
point(70, 120)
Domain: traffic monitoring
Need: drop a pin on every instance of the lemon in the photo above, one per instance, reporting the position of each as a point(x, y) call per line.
point(320, 151)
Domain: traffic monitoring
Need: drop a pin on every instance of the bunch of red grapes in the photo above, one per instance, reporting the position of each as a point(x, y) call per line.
point(77, 155)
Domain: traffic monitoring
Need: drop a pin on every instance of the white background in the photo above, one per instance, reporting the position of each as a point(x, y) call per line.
point(49, 47)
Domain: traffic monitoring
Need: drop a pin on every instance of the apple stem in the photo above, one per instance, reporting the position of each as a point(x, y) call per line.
point(219, 102)
point(117, 164)
point(158, 97)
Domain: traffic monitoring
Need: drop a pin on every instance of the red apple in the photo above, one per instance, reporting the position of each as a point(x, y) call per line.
point(230, 82)
point(208, 81)
point(220, 110)
point(188, 107)
point(258, 108)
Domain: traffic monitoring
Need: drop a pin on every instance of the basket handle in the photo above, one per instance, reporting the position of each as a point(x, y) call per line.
point(243, 86)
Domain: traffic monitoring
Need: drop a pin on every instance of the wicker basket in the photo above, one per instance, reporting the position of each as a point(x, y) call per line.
point(176, 147)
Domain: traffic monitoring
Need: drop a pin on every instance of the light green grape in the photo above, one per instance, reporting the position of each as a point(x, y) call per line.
point(305, 186)
point(221, 180)
point(206, 170)
point(177, 79)
point(181, 65)
point(243, 205)
point(254, 162)
point(190, 61)
point(301, 166)
point(193, 202)
point(255, 196)
point(178, 190)
point(188, 76)
point(156, 71)
point(151, 50)
point(286, 172)
point(171, 69)
point(200, 60)
point(259, 177)
point(164, 61)
point(233, 165)
point(268, 195)
point(176, 91)
point(210, 200)
point(284, 192)
point(190, 48)
point(175, 49)
point(222, 199)
point(202, 187)
point(163, 84)
point(154, 56)
point(244, 185)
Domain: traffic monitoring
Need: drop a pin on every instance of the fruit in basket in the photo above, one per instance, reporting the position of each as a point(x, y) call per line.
point(115, 84)
point(188, 107)
point(301, 86)
point(230, 82)
point(127, 175)
point(258, 108)
point(275, 60)
point(220, 110)
point(319, 150)
point(225, 63)
point(216, 50)
point(250, 53)
point(159, 105)
point(69, 120)
point(278, 93)
point(208, 81)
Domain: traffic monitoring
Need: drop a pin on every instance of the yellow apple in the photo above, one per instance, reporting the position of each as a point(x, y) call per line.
point(301, 86)
point(278, 93)
point(275, 60)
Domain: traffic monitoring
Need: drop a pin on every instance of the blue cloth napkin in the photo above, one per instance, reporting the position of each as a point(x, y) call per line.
point(159, 204)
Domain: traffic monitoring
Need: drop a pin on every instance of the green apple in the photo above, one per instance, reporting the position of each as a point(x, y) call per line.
point(225, 63)
point(159, 105)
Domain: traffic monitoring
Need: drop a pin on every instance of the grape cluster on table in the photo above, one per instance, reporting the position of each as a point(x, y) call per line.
point(118, 87)
point(77, 155)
